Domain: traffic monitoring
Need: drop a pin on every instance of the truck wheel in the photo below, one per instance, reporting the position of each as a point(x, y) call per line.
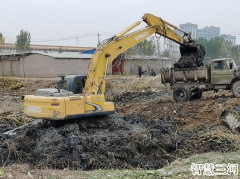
point(197, 94)
point(182, 94)
point(236, 89)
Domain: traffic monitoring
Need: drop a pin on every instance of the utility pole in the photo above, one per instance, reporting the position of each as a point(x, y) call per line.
point(98, 39)
point(159, 53)
point(77, 41)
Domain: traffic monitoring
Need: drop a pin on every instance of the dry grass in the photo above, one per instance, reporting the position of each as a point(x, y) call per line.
point(225, 139)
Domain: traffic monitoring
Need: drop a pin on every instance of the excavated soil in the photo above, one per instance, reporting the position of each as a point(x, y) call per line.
point(192, 55)
point(149, 130)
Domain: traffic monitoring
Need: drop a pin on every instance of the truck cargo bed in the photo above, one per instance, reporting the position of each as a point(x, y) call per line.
point(175, 75)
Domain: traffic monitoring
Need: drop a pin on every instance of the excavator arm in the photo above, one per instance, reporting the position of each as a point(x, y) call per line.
point(114, 46)
point(163, 29)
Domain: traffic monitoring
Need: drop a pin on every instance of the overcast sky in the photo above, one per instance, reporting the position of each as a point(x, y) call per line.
point(63, 19)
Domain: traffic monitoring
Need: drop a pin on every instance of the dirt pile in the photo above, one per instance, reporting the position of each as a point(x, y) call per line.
point(125, 143)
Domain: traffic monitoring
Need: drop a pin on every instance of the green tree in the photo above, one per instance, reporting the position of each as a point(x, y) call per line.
point(226, 49)
point(144, 48)
point(235, 53)
point(218, 48)
point(23, 41)
point(215, 47)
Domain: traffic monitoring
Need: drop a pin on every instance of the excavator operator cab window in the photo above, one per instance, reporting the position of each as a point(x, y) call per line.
point(77, 88)
point(83, 83)
point(79, 84)
point(219, 65)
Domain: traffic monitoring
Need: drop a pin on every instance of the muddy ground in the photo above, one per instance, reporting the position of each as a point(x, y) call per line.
point(149, 130)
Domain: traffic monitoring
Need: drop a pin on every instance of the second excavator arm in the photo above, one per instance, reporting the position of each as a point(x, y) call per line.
point(116, 45)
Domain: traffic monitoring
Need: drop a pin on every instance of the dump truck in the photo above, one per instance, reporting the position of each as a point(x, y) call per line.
point(189, 83)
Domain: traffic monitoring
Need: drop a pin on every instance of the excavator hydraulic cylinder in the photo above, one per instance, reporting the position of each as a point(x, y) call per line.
point(128, 29)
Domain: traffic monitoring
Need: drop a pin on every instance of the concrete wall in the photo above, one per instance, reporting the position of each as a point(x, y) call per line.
point(9, 68)
point(37, 66)
point(71, 66)
point(40, 66)
point(131, 66)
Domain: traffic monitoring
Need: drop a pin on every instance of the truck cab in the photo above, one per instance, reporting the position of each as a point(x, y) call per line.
point(222, 72)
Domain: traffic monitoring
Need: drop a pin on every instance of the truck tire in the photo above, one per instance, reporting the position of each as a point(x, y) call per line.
point(182, 94)
point(236, 89)
point(197, 94)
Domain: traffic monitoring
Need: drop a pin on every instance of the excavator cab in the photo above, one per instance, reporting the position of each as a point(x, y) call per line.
point(73, 83)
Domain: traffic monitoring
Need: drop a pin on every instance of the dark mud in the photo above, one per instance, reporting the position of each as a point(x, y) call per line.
point(125, 143)
point(148, 135)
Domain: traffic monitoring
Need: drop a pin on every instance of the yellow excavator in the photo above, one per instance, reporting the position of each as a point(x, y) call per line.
point(81, 96)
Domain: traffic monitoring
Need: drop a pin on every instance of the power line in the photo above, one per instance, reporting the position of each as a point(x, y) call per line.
point(60, 39)
point(74, 37)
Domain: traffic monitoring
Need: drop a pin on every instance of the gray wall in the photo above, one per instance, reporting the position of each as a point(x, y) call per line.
point(71, 66)
point(40, 66)
point(9, 68)
point(36, 66)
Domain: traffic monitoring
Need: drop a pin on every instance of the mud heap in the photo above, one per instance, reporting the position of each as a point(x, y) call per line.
point(192, 55)
point(125, 143)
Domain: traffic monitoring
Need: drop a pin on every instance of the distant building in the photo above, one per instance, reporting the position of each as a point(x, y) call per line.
point(48, 65)
point(229, 38)
point(208, 32)
point(48, 48)
point(130, 64)
point(44, 65)
point(189, 27)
